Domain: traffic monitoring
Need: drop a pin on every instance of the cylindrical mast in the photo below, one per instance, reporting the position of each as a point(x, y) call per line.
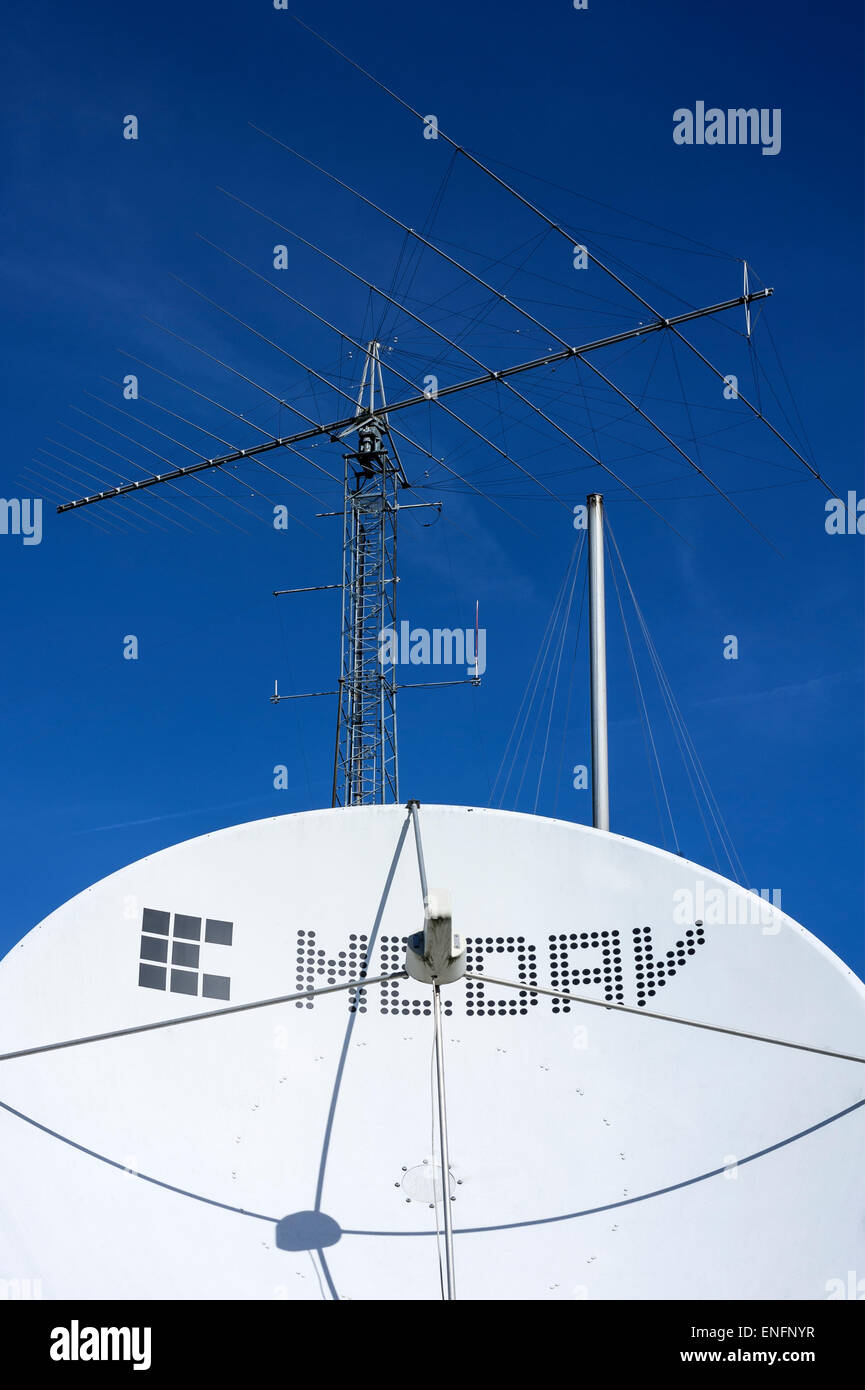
point(598, 661)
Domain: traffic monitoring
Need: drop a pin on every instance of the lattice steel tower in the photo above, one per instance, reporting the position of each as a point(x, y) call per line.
point(366, 765)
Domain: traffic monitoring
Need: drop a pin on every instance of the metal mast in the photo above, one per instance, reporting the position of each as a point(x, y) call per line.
point(366, 769)
point(598, 662)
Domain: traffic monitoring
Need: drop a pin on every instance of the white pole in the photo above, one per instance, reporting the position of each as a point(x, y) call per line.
point(598, 661)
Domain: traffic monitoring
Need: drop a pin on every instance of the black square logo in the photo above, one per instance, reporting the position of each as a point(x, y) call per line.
point(176, 938)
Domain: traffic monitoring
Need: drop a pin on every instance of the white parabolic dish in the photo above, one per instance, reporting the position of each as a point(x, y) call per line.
point(286, 1152)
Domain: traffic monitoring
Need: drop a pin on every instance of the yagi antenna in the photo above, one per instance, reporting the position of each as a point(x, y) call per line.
point(365, 762)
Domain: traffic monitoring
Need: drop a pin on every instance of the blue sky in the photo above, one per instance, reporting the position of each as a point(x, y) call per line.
point(106, 759)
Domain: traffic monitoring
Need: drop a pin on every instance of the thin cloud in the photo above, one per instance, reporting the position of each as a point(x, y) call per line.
point(176, 815)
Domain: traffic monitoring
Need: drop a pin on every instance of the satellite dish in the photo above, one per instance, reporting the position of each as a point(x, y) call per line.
point(290, 1152)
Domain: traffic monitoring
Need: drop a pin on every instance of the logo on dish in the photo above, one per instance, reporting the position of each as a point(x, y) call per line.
point(171, 949)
